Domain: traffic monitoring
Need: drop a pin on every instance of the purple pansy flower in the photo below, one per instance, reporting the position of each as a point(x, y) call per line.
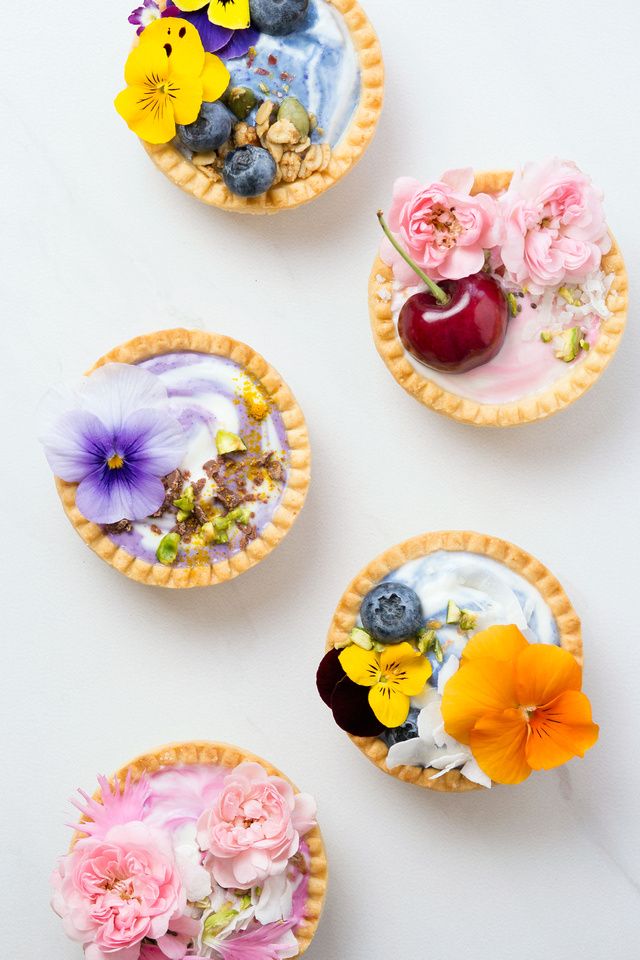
point(227, 44)
point(114, 436)
point(150, 11)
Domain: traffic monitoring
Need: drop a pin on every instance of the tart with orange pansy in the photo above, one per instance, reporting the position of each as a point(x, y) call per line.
point(454, 661)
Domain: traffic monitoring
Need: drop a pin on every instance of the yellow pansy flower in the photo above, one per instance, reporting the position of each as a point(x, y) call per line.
point(168, 76)
point(395, 675)
point(232, 14)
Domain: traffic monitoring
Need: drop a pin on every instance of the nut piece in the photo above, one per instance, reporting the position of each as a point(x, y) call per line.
point(244, 135)
point(290, 166)
point(312, 162)
point(283, 131)
point(263, 117)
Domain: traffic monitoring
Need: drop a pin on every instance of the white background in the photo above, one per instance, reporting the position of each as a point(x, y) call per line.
point(99, 247)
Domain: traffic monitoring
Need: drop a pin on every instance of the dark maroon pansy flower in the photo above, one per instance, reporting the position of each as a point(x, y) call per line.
point(348, 701)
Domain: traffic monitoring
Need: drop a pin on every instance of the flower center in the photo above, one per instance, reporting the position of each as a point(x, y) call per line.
point(115, 462)
point(121, 887)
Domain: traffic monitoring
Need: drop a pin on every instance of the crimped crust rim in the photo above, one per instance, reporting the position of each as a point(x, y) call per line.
point(156, 574)
point(507, 553)
point(226, 755)
point(352, 146)
point(560, 394)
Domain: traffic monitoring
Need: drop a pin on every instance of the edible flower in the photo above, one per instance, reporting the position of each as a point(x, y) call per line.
point(554, 225)
point(228, 44)
point(168, 77)
point(518, 705)
point(441, 226)
point(150, 10)
point(393, 676)
point(348, 702)
point(232, 14)
point(115, 437)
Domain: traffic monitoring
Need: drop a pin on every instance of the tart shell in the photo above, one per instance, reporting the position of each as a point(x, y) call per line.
point(222, 754)
point(518, 560)
point(293, 498)
point(354, 142)
point(560, 394)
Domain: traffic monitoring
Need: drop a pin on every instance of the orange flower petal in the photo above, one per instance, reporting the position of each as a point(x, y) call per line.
point(498, 743)
point(479, 687)
point(561, 730)
point(543, 672)
point(500, 643)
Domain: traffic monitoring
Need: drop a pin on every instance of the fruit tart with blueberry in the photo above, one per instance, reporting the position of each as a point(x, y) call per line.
point(253, 105)
point(182, 458)
point(498, 298)
point(195, 850)
point(454, 661)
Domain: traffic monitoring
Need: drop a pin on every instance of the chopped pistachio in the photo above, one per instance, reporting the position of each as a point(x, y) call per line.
point(216, 922)
point(513, 303)
point(168, 548)
point(568, 344)
point(227, 442)
point(378, 647)
point(426, 640)
point(584, 344)
point(207, 533)
point(453, 612)
point(438, 651)
point(569, 296)
point(546, 336)
point(468, 620)
point(185, 502)
point(361, 638)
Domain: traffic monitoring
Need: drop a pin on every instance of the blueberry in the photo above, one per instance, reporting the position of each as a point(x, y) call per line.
point(249, 171)
point(278, 17)
point(408, 730)
point(391, 612)
point(211, 129)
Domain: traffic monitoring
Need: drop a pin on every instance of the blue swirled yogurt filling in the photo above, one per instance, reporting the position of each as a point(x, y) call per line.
point(317, 65)
point(491, 594)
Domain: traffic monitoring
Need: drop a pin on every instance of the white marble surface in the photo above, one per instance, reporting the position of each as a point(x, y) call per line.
point(97, 247)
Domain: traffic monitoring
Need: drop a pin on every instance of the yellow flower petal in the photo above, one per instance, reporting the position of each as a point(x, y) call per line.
point(151, 118)
point(479, 687)
point(215, 78)
point(181, 43)
point(498, 743)
point(543, 672)
point(361, 666)
point(188, 6)
point(146, 65)
point(390, 706)
point(187, 99)
point(500, 643)
point(233, 14)
point(406, 669)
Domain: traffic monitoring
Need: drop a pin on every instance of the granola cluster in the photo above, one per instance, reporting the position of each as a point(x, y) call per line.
point(296, 157)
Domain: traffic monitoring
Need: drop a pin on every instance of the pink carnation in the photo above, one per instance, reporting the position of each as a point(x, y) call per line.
point(555, 230)
point(254, 827)
point(113, 892)
point(441, 226)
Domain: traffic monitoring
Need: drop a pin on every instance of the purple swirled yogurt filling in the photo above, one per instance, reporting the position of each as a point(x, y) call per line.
point(233, 475)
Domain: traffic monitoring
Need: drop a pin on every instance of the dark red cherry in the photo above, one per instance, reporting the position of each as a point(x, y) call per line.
point(465, 332)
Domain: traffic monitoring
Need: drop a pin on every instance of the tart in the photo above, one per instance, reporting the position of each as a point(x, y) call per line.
point(440, 638)
point(552, 305)
point(182, 459)
point(282, 96)
point(171, 859)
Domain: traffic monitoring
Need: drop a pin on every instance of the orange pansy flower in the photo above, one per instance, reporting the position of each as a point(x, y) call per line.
point(518, 705)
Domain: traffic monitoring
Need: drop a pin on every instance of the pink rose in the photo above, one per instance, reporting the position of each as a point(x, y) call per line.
point(554, 225)
point(113, 892)
point(254, 827)
point(441, 226)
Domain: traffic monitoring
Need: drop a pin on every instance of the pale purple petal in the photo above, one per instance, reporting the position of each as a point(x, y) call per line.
point(239, 44)
point(213, 37)
point(116, 390)
point(76, 444)
point(152, 441)
point(107, 496)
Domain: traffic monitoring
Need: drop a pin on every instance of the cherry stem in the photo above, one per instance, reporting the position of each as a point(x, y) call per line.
point(440, 295)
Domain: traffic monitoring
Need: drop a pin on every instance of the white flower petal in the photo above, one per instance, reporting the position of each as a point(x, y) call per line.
point(116, 390)
point(448, 669)
point(276, 900)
